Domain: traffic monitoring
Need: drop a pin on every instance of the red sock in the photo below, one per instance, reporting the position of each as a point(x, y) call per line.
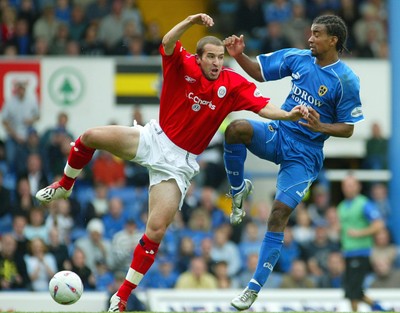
point(79, 156)
point(143, 258)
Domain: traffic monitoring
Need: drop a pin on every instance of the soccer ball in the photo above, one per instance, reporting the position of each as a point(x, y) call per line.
point(66, 287)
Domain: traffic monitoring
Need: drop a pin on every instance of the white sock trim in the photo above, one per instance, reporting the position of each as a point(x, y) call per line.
point(71, 172)
point(238, 188)
point(255, 282)
point(133, 276)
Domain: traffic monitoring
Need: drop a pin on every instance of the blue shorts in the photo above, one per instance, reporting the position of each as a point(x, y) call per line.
point(300, 162)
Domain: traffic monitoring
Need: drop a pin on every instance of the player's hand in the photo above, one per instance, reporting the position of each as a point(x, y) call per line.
point(234, 45)
point(298, 112)
point(201, 19)
point(313, 121)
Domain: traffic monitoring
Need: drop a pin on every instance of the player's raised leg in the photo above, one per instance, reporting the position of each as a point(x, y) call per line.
point(122, 141)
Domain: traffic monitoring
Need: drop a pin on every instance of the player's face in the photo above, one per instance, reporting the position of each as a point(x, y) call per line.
point(320, 42)
point(211, 61)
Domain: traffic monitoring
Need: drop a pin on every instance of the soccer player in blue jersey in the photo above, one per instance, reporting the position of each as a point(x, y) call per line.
point(330, 90)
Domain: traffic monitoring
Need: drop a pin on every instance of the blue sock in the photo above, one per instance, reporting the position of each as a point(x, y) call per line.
point(269, 254)
point(234, 157)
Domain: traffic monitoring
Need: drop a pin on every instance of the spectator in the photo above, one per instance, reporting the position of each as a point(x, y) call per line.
point(225, 250)
point(332, 224)
point(58, 248)
point(132, 13)
point(208, 200)
point(27, 12)
point(385, 275)
point(97, 206)
point(303, 231)
point(36, 227)
point(186, 252)
point(249, 21)
point(109, 170)
point(22, 39)
point(250, 242)
point(24, 201)
point(78, 23)
point(290, 252)
point(47, 24)
point(35, 173)
point(369, 25)
point(224, 280)
point(63, 11)
point(376, 149)
point(19, 224)
point(163, 276)
point(41, 265)
point(60, 217)
point(114, 219)
point(122, 46)
point(333, 277)
point(315, 253)
point(296, 30)
point(152, 39)
point(103, 276)
point(320, 203)
point(197, 277)
point(58, 46)
point(41, 47)
point(90, 45)
point(277, 11)
point(379, 196)
point(13, 272)
point(95, 246)
point(96, 11)
point(123, 243)
point(78, 265)
point(7, 24)
point(297, 277)
point(111, 27)
point(383, 248)
point(20, 112)
point(5, 207)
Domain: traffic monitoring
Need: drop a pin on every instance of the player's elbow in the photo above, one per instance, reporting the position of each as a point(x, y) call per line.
point(348, 132)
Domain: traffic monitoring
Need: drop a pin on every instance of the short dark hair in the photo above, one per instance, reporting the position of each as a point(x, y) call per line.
point(205, 40)
point(335, 26)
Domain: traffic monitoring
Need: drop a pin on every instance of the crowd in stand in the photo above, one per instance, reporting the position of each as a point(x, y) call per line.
point(94, 232)
point(117, 27)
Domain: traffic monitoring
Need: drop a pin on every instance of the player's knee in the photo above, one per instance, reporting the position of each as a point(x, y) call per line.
point(156, 230)
point(238, 131)
point(89, 137)
point(279, 217)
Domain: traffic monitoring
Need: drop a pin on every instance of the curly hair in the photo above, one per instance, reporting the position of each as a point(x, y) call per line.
point(335, 26)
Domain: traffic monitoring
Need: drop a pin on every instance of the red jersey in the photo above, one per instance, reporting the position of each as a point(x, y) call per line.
point(192, 107)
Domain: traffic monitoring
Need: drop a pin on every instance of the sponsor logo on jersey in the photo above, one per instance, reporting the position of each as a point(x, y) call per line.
point(356, 112)
point(189, 79)
point(199, 101)
point(322, 90)
point(221, 92)
point(303, 97)
point(196, 107)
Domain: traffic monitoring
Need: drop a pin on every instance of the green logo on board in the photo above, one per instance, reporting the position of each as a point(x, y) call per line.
point(66, 86)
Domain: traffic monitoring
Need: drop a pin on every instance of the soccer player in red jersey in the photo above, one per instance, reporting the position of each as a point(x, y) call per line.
point(197, 94)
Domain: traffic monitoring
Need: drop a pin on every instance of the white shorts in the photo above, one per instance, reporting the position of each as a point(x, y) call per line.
point(164, 159)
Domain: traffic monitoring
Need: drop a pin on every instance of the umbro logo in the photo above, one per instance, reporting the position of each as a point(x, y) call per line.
point(150, 252)
point(296, 75)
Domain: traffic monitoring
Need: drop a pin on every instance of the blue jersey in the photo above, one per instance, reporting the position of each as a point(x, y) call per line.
point(333, 90)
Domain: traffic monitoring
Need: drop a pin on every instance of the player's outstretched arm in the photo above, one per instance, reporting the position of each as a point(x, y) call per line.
point(235, 46)
point(179, 29)
point(272, 112)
